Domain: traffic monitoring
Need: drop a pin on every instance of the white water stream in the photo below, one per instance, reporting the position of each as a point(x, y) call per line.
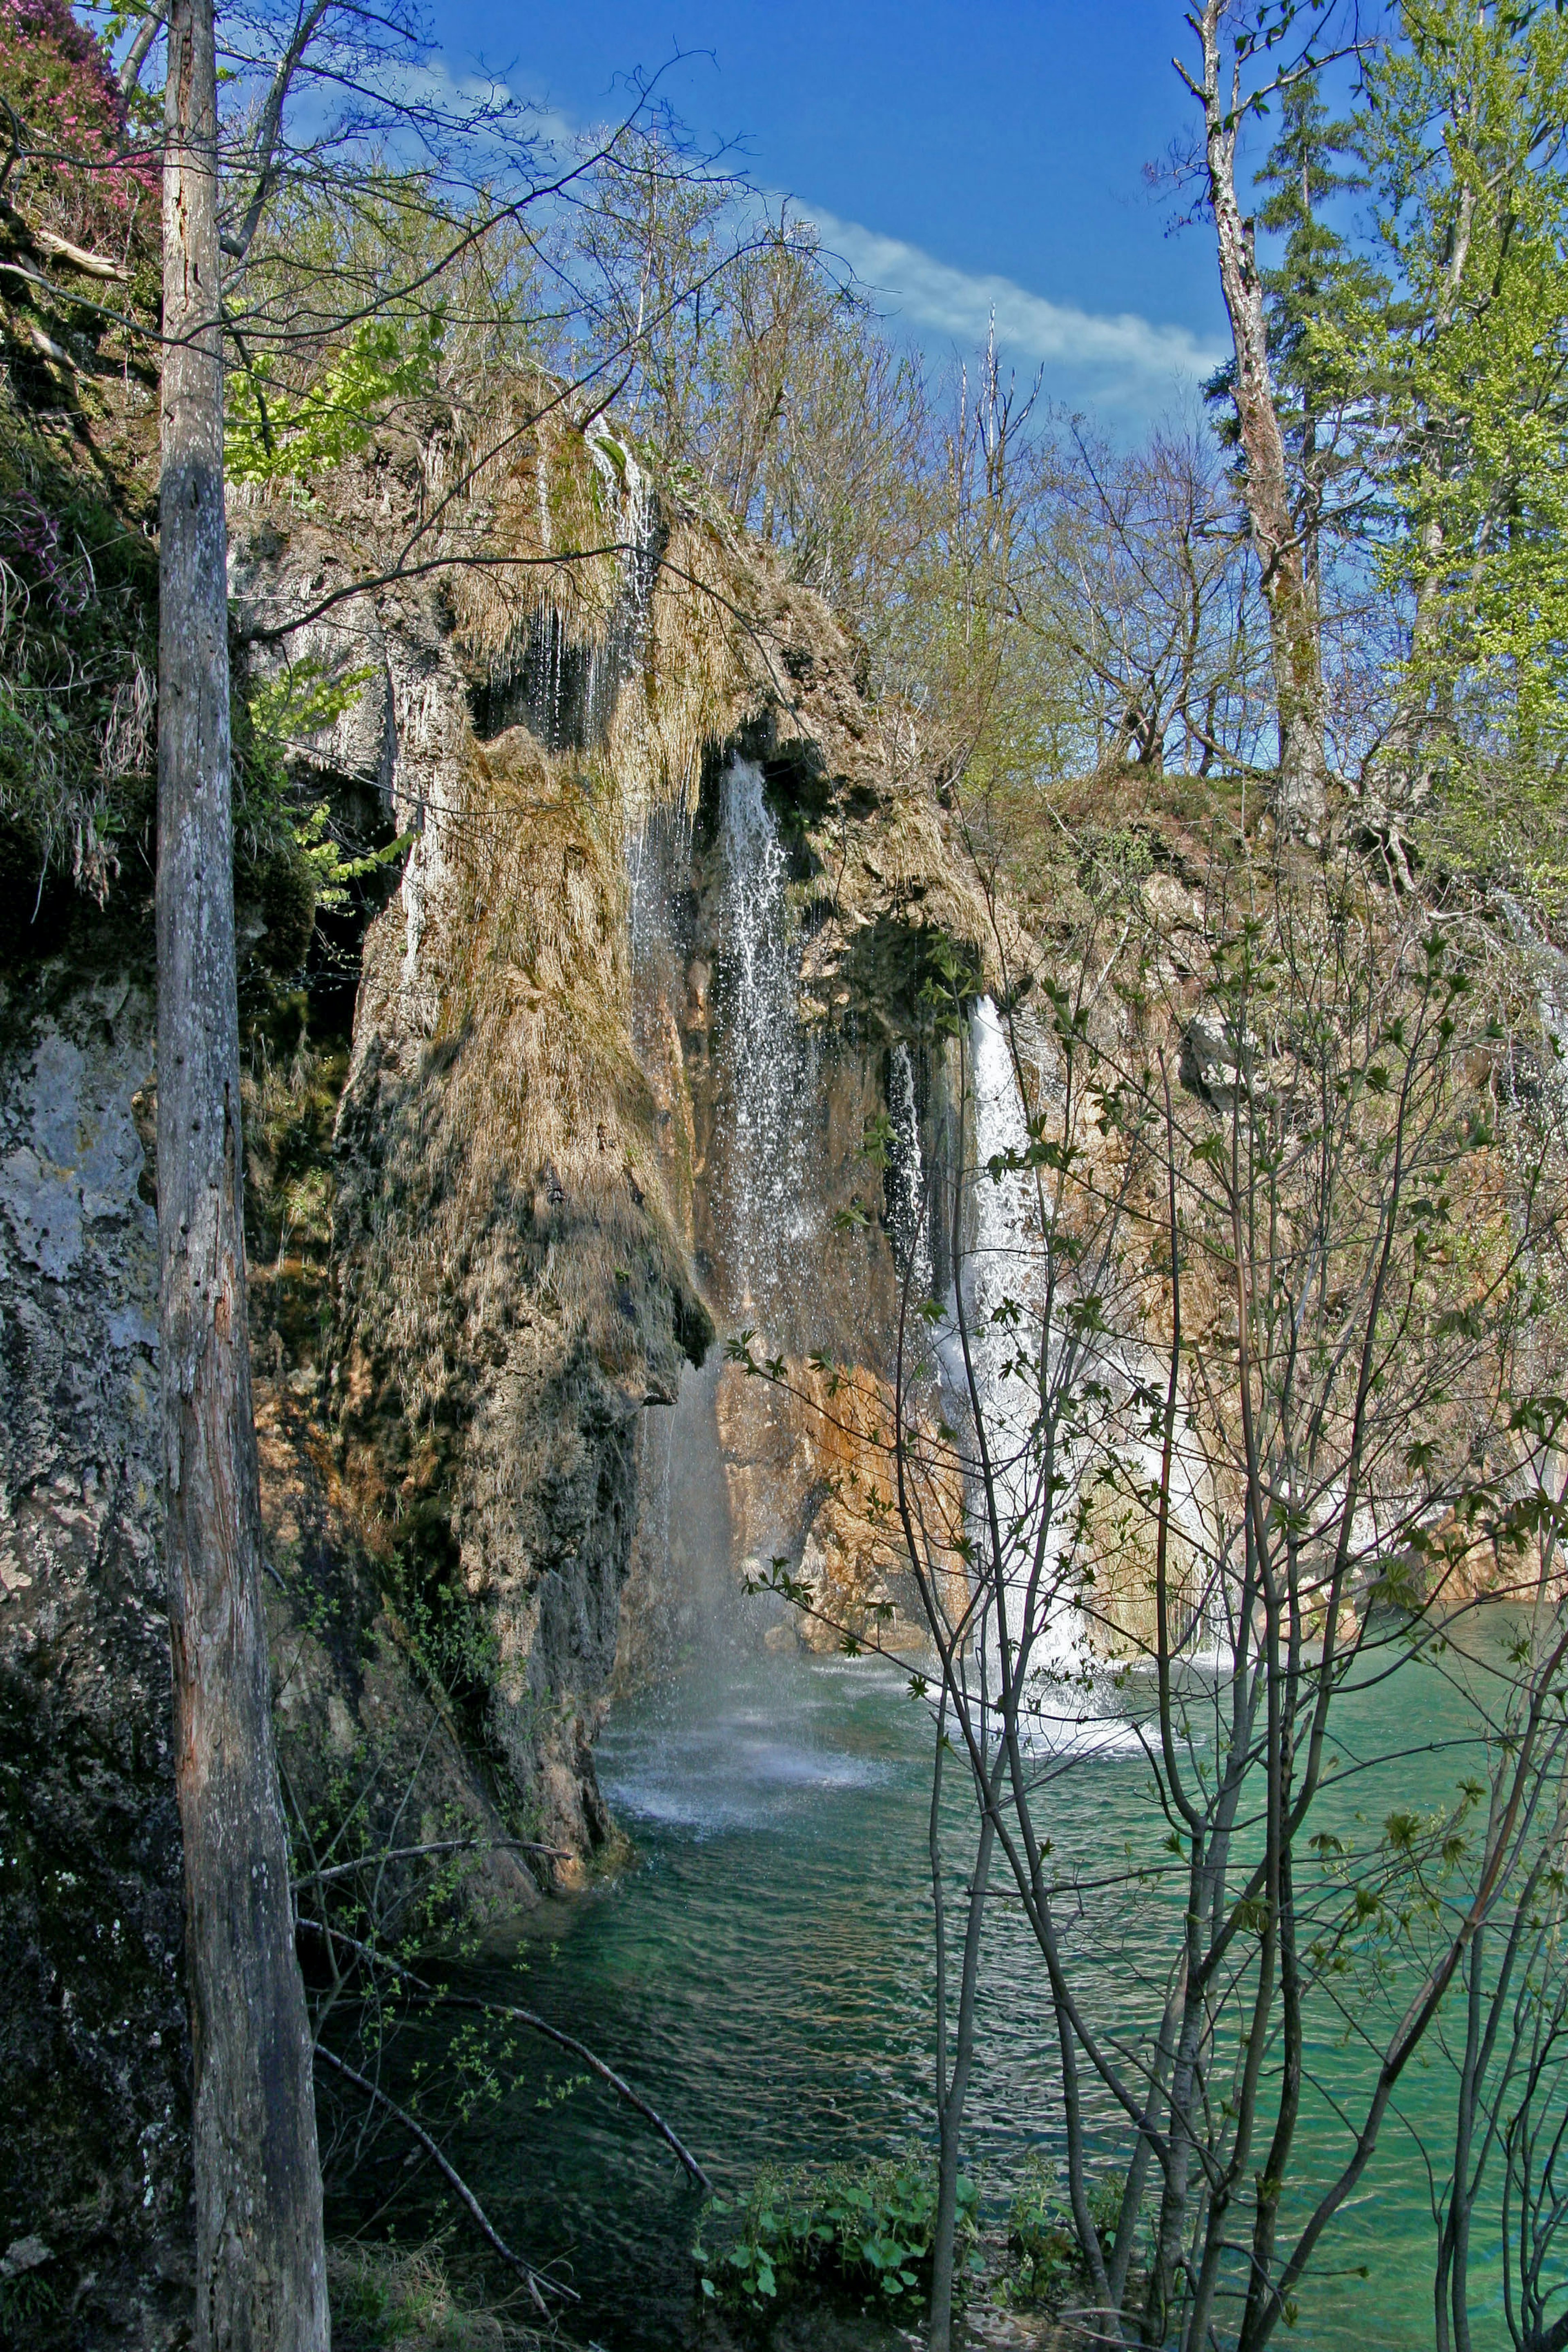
point(907, 1212)
point(569, 686)
point(1004, 1282)
point(770, 1063)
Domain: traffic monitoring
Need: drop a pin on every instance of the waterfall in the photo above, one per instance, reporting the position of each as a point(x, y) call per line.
point(1005, 1265)
point(631, 498)
point(564, 686)
point(716, 950)
point(906, 1184)
point(769, 1063)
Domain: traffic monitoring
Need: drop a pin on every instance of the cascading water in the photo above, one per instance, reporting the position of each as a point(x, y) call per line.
point(715, 964)
point(631, 498)
point(768, 1063)
point(906, 1185)
point(1005, 1269)
point(1004, 1273)
point(562, 684)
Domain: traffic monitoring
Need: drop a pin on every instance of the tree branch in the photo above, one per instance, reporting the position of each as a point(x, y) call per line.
point(537, 2281)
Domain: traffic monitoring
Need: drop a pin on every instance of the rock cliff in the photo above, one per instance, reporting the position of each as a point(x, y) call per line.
point(91, 1999)
point(506, 1180)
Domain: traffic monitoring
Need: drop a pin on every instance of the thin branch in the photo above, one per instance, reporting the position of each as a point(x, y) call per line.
point(136, 55)
point(538, 2281)
point(536, 2024)
point(442, 1845)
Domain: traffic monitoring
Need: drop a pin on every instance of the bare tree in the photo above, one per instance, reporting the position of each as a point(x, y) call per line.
point(261, 2261)
point(1137, 568)
point(1287, 585)
point(1250, 1362)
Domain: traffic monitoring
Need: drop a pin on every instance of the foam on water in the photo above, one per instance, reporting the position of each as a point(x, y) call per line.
point(712, 1762)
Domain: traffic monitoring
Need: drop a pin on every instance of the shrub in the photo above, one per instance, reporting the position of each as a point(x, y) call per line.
point(82, 167)
point(862, 2232)
point(1041, 2237)
point(389, 2299)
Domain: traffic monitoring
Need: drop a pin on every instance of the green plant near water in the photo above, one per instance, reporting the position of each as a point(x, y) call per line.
point(864, 2232)
point(386, 2296)
point(280, 715)
point(1040, 2238)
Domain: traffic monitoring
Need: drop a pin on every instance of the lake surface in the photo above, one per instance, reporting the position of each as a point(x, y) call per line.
point(761, 1973)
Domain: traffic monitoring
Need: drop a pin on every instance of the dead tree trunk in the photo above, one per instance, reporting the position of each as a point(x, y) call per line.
point(260, 2269)
point(1295, 646)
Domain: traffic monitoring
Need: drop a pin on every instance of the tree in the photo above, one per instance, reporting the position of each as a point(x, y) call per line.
point(331, 322)
point(1287, 585)
point(1314, 295)
point(260, 2260)
point(1464, 135)
point(751, 360)
point(1291, 1192)
point(1140, 573)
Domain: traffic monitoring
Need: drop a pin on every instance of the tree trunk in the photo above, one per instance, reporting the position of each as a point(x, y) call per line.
point(953, 2097)
point(1294, 644)
point(1406, 763)
point(260, 2267)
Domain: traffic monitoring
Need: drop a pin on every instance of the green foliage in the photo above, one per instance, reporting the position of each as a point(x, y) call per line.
point(476, 2070)
point(1116, 863)
point(860, 2232)
point(271, 434)
point(1462, 372)
point(454, 1640)
point(1042, 2240)
point(285, 846)
point(1319, 295)
point(78, 597)
point(26, 2303)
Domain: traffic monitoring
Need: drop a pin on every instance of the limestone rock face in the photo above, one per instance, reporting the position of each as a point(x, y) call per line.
point(785, 938)
point(509, 1289)
point(525, 1240)
point(92, 2031)
point(809, 1479)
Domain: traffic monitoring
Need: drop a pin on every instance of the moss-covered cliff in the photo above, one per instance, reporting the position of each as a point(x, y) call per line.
point(489, 1149)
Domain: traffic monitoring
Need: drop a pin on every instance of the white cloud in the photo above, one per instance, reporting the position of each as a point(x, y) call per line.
point(1123, 358)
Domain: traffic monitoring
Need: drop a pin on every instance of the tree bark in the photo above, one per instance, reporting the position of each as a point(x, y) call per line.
point(260, 2267)
point(137, 54)
point(953, 2097)
point(1295, 647)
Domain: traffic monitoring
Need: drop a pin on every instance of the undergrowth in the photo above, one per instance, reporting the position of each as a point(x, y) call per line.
point(1047, 2263)
point(77, 664)
point(858, 2233)
point(389, 2299)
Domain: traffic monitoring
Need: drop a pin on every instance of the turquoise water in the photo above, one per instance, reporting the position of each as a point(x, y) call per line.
point(762, 1974)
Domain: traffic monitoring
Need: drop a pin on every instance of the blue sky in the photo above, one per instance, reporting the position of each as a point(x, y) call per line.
point(958, 156)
